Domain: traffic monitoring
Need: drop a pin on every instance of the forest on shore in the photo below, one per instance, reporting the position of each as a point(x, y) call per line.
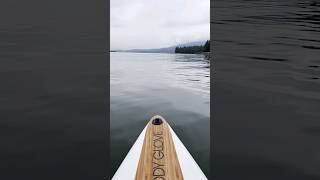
point(193, 49)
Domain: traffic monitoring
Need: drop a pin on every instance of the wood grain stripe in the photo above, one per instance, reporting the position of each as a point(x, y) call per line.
point(158, 159)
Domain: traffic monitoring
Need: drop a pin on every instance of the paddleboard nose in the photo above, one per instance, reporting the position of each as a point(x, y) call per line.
point(159, 154)
point(157, 121)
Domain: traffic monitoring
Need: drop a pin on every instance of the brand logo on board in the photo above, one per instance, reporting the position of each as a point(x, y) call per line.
point(158, 170)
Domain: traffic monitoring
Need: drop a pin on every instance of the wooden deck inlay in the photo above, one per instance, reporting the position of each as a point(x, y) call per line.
point(158, 159)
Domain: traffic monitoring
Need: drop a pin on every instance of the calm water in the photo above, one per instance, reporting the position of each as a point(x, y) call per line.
point(266, 90)
point(53, 88)
point(175, 86)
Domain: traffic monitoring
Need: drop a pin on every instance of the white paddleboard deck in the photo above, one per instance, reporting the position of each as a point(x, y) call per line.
point(151, 159)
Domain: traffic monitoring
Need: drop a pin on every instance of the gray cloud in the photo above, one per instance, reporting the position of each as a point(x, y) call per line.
point(158, 23)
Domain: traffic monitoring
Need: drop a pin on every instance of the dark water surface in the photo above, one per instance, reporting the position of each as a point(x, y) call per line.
point(266, 89)
point(53, 91)
point(175, 86)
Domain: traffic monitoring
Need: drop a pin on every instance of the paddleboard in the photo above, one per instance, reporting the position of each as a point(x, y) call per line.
point(158, 154)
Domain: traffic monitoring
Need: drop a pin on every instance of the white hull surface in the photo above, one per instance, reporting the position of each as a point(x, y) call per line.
point(128, 169)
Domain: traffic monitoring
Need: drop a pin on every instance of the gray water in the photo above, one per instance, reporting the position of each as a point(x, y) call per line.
point(53, 98)
point(266, 89)
point(175, 86)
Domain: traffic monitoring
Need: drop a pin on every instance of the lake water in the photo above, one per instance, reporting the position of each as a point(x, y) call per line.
point(266, 89)
point(53, 99)
point(176, 86)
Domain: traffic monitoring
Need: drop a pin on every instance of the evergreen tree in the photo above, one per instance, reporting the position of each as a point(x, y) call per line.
point(206, 47)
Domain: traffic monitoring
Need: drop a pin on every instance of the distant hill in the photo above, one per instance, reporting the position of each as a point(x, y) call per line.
point(170, 49)
point(159, 50)
point(196, 43)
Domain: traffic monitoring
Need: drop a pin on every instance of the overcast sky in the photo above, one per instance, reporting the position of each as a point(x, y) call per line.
point(158, 23)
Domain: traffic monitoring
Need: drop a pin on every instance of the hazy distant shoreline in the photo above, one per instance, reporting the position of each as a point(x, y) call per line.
point(170, 49)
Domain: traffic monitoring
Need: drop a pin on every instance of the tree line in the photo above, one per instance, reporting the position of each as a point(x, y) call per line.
point(194, 49)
